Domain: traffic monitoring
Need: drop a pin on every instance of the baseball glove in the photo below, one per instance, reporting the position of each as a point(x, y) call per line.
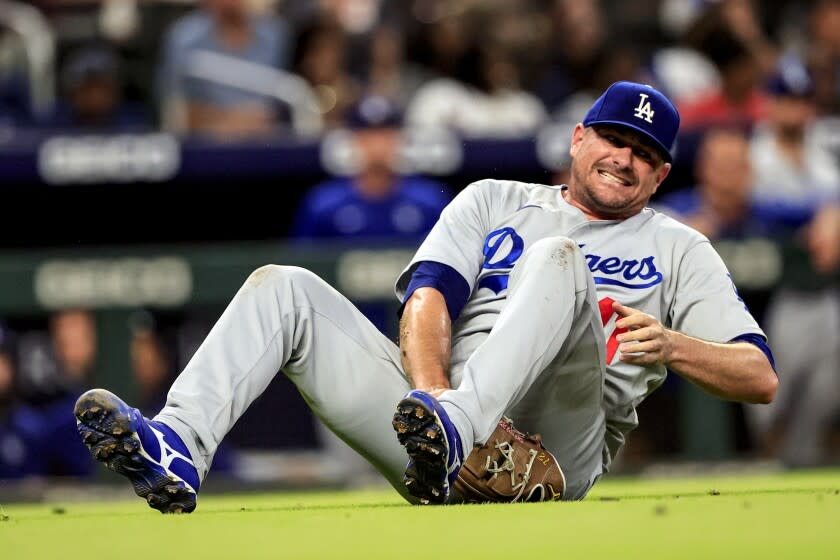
point(511, 467)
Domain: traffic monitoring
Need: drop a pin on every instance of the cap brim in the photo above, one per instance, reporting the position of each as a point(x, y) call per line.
point(666, 154)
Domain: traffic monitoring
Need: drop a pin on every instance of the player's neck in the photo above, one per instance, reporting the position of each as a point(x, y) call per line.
point(590, 215)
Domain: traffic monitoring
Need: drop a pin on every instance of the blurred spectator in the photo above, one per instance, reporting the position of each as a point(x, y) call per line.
point(741, 18)
point(617, 60)
point(679, 68)
point(579, 33)
point(486, 102)
point(740, 100)
point(26, 64)
point(74, 340)
point(376, 203)
point(319, 58)
point(38, 435)
point(152, 370)
point(15, 102)
point(388, 73)
point(720, 205)
point(798, 185)
point(92, 99)
point(441, 44)
point(13, 444)
point(220, 71)
point(797, 174)
point(824, 55)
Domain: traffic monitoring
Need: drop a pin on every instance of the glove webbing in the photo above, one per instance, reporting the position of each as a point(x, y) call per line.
point(506, 449)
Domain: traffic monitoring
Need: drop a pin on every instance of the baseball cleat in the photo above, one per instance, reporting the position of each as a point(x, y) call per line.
point(150, 454)
point(433, 446)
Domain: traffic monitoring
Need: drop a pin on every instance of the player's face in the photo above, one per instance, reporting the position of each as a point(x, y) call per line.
point(614, 171)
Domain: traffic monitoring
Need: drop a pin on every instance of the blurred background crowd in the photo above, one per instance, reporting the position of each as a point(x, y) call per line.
point(234, 68)
point(758, 158)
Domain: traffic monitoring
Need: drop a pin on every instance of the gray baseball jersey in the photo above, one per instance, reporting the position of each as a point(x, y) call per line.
point(649, 262)
point(511, 243)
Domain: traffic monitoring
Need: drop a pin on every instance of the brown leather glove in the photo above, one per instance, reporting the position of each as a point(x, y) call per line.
point(511, 467)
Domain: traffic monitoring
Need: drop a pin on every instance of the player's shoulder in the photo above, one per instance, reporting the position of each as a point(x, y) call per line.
point(667, 228)
point(509, 187)
point(508, 193)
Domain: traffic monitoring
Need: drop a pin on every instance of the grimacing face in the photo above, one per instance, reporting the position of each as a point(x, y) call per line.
point(614, 171)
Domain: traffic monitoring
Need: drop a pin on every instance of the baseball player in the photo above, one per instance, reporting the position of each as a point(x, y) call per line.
point(559, 307)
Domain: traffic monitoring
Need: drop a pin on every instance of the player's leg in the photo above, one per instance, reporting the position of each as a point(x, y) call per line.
point(780, 428)
point(813, 401)
point(286, 317)
point(548, 345)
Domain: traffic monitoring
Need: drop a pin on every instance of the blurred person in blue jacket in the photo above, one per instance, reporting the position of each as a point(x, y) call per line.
point(13, 440)
point(36, 437)
point(92, 88)
point(377, 203)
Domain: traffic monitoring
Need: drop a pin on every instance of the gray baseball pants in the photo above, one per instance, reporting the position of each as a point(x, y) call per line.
point(542, 365)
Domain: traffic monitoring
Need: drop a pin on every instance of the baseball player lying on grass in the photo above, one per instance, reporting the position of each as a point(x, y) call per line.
point(558, 308)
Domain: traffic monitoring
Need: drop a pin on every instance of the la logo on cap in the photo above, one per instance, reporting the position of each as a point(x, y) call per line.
point(644, 110)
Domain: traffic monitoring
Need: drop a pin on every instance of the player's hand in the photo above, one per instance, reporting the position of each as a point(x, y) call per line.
point(646, 341)
point(823, 238)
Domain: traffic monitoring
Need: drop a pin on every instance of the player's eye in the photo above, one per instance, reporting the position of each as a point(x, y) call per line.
point(643, 154)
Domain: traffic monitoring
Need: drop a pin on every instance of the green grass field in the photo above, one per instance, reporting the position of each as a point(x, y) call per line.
point(772, 516)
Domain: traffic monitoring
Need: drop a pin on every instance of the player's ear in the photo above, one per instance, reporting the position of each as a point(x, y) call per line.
point(577, 138)
point(662, 173)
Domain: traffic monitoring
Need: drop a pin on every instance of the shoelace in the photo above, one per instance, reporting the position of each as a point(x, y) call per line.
point(506, 449)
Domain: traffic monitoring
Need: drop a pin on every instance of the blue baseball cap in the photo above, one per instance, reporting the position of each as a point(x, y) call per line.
point(641, 108)
point(791, 79)
point(374, 111)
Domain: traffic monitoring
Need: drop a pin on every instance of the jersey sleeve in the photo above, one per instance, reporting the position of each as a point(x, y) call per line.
point(457, 239)
point(706, 303)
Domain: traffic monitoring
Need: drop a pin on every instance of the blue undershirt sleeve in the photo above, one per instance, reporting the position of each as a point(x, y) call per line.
point(443, 278)
point(760, 342)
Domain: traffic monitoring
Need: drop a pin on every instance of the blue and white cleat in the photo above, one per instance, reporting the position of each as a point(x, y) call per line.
point(433, 446)
point(150, 454)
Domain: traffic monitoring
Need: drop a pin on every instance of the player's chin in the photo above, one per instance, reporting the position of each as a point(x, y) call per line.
point(610, 205)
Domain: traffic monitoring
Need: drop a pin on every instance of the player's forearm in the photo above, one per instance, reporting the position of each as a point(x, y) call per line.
point(737, 371)
point(426, 340)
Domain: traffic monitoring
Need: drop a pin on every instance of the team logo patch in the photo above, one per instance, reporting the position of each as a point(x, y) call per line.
point(644, 110)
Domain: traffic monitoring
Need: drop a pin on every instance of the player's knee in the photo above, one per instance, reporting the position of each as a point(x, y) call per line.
point(560, 249)
point(271, 276)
